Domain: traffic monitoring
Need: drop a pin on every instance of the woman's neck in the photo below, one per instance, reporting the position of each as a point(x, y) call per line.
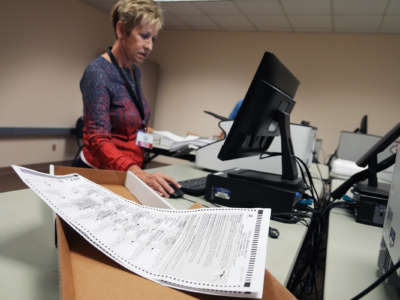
point(120, 56)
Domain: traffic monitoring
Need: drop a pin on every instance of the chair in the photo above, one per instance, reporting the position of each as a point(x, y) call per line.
point(78, 133)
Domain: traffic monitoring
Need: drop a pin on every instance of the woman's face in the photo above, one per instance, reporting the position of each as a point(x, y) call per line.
point(138, 44)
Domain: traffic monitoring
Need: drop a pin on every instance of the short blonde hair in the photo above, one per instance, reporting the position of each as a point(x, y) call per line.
point(136, 12)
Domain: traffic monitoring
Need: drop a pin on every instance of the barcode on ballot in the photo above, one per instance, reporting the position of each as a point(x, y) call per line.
point(253, 250)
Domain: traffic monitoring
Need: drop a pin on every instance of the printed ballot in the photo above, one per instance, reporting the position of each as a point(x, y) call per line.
point(218, 251)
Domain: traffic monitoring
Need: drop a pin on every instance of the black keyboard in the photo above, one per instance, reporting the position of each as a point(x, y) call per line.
point(194, 187)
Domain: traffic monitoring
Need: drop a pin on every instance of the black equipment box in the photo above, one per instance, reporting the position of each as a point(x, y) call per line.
point(371, 203)
point(247, 188)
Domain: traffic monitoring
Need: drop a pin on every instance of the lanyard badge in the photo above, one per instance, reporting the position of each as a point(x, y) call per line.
point(144, 139)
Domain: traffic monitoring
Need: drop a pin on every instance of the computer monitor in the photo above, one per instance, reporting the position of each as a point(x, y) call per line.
point(363, 125)
point(264, 114)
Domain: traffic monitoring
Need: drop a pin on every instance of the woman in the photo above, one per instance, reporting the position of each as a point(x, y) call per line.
point(115, 110)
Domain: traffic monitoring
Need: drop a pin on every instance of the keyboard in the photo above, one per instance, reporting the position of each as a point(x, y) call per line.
point(194, 187)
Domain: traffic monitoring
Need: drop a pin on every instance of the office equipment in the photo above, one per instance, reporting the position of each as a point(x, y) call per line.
point(371, 196)
point(194, 186)
point(350, 148)
point(389, 253)
point(282, 252)
point(264, 114)
point(178, 193)
point(167, 140)
point(303, 139)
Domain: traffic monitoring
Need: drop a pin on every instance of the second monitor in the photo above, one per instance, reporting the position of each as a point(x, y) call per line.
point(264, 114)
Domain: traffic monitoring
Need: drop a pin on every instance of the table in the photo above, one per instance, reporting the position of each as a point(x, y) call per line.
point(352, 255)
point(281, 253)
point(28, 258)
point(319, 171)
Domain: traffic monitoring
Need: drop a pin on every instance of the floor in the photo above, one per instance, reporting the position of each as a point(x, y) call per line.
point(28, 258)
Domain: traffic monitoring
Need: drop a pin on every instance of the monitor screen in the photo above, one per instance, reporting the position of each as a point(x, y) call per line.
point(271, 91)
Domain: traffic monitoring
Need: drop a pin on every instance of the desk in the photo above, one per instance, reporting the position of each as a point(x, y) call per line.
point(352, 255)
point(281, 253)
point(319, 171)
point(28, 256)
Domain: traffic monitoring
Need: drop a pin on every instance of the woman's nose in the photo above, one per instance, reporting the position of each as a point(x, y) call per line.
point(149, 45)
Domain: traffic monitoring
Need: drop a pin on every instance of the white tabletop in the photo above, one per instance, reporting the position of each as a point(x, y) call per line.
point(352, 256)
point(319, 171)
point(281, 253)
point(28, 258)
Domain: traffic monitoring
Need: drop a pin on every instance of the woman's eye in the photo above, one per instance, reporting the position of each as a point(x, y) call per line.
point(145, 35)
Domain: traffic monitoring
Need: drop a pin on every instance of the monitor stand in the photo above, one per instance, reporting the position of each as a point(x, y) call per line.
point(289, 178)
point(249, 188)
point(371, 197)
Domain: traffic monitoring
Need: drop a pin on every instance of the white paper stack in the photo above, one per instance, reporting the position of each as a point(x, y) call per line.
point(172, 142)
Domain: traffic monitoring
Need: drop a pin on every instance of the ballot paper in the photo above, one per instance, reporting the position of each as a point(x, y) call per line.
point(218, 251)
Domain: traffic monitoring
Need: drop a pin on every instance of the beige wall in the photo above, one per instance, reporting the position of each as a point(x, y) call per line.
point(46, 45)
point(343, 76)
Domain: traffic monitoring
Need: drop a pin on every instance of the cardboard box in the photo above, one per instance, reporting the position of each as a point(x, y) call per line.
point(86, 273)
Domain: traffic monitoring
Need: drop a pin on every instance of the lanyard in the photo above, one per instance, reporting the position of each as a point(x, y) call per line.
point(132, 94)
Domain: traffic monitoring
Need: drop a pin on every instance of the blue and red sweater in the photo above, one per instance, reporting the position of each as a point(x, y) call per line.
point(111, 118)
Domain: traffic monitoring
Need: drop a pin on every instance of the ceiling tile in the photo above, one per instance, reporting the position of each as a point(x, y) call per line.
point(182, 8)
point(390, 24)
point(174, 22)
point(311, 21)
point(260, 7)
point(278, 15)
point(238, 23)
point(199, 22)
point(225, 8)
point(357, 23)
point(393, 8)
point(269, 23)
point(359, 7)
point(307, 7)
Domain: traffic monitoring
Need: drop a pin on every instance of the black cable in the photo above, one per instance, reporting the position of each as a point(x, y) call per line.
point(336, 204)
point(377, 282)
point(310, 178)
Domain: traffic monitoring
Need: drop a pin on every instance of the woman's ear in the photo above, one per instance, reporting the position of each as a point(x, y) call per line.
point(120, 30)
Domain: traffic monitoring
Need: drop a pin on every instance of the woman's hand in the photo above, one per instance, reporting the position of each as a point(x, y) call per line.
point(158, 181)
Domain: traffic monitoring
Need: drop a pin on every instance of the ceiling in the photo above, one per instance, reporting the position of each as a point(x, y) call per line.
point(353, 16)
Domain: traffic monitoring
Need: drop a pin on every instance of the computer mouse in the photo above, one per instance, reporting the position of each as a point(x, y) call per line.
point(273, 233)
point(178, 193)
